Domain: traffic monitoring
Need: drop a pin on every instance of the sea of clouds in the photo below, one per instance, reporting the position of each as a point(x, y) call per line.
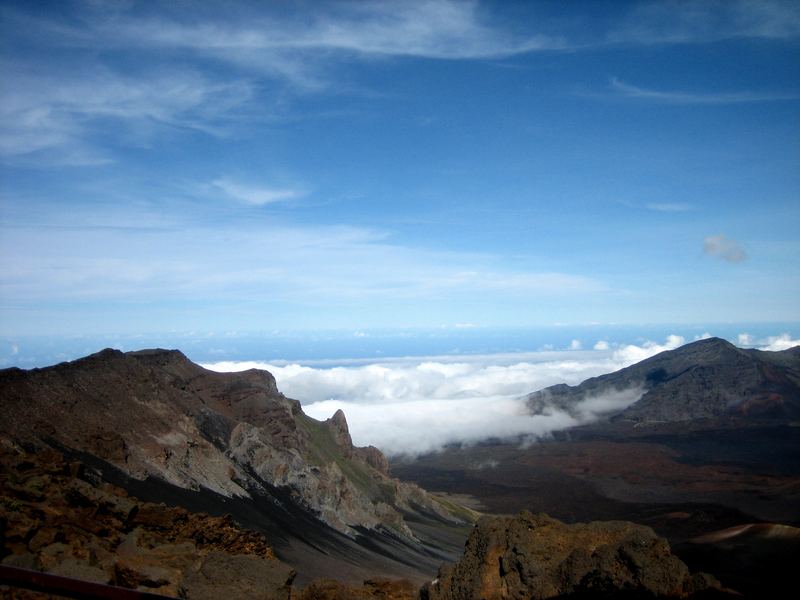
point(416, 405)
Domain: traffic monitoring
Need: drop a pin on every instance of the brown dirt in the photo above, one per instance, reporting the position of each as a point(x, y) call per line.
point(55, 517)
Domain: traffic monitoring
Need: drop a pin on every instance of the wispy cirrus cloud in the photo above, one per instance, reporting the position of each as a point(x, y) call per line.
point(701, 21)
point(669, 207)
point(59, 116)
point(199, 71)
point(245, 262)
point(724, 248)
point(663, 207)
point(633, 92)
point(298, 47)
point(213, 62)
point(256, 195)
point(438, 29)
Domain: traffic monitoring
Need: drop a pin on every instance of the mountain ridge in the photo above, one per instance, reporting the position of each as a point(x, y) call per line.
point(707, 380)
point(161, 420)
point(167, 430)
point(706, 446)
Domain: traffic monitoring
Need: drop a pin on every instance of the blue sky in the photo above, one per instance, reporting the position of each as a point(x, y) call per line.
point(184, 166)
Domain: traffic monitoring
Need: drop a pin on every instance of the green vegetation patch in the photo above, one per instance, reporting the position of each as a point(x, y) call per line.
point(323, 450)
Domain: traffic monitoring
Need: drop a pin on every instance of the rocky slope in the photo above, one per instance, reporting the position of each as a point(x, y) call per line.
point(162, 426)
point(709, 380)
point(56, 517)
point(165, 429)
point(712, 444)
point(537, 557)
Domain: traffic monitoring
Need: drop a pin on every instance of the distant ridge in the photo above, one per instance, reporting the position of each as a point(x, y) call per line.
point(709, 380)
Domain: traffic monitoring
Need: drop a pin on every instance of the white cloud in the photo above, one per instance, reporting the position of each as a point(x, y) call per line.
point(417, 405)
point(255, 195)
point(682, 97)
point(779, 342)
point(575, 345)
point(60, 114)
point(439, 378)
point(418, 427)
point(593, 407)
point(631, 353)
point(261, 50)
point(245, 52)
point(745, 339)
point(441, 29)
point(78, 254)
point(601, 345)
point(723, 248)
point(299, 47)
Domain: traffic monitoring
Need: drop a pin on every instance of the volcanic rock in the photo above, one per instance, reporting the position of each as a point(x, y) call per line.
point(159, 424)
point(371, 589)
point(50, 520)
point(537, 557)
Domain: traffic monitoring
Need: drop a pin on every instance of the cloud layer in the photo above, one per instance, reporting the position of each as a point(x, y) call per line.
point(779, 342)
point(418, 405)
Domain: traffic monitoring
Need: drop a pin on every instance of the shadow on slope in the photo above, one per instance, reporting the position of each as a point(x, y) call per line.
point(298, 538)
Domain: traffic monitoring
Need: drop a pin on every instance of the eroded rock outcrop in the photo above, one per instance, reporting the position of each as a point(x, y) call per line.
point(537, 557)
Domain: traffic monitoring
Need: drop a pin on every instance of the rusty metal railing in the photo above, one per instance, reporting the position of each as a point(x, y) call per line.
point(68, 587)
